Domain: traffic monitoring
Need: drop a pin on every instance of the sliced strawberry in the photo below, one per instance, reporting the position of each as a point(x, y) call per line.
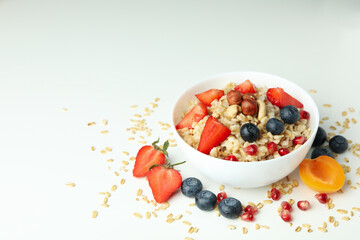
point(209, 96)
point(163, 182)
point(148, 156)
point(246, 87)
point(198, 112)
point(213, 134)
point(280, 98)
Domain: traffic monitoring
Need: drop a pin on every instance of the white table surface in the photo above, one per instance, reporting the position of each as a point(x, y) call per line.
point(97, 58)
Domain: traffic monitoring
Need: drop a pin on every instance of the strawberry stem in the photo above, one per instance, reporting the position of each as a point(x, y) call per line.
point(172, 165)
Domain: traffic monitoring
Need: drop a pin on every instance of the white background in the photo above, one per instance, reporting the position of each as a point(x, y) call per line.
point(97, 58)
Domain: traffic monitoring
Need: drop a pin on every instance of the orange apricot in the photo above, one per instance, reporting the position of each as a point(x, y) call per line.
point(322, 174)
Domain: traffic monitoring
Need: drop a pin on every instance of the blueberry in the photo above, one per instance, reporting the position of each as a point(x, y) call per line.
point(249, 132)
point(230, 207)
point(320, 137)
point(191, 186)
point(320, 151)
point(338, 144)
point(275, 126)
point(289, 114)
point(205, 200)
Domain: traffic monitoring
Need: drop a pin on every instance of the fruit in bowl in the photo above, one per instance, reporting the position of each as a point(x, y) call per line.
point(233, 123)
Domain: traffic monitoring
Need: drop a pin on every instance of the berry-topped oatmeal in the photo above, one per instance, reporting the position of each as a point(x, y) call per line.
point(245, 123)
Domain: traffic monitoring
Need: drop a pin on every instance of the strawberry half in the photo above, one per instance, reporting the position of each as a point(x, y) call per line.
point(163, 182)
point(246, 87)
point(209, 96)
point(280, 98)
point(198, 112)
point(213, 134)
point(148, 156)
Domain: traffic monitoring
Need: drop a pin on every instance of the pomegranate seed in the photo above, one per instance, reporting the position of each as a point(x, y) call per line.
point(247, 216)
point(251, 209)
point(275, 194)
point(221, 196)
point(272, 147)
point(286, 205)
point(231, 158)
point(283, 151)
point(299, 140)
point(304, 114)
point(251, 149)
point(322, 197)
point(285, 215)
point(303, 205)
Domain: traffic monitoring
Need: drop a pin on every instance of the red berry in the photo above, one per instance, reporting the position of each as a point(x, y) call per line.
point(285, 215)
point(221, 196)
point(303, 205)
point(247, 216)
point(231, 158)
point(283, 151)
point(251, 149)
point(286, 205)
point(275, 194)
point(251, 209)
point(322, 197)
point(299, 140)
point(304, 114)
point(272, 147)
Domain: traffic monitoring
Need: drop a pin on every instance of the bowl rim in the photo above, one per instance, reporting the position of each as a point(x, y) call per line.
point(231, 163)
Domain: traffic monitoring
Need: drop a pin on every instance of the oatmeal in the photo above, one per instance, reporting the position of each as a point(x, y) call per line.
point(255, 108)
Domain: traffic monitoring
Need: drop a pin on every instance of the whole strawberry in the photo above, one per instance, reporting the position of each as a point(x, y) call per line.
point(149, 156)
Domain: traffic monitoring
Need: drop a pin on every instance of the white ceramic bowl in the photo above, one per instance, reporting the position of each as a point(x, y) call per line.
point(245, 174)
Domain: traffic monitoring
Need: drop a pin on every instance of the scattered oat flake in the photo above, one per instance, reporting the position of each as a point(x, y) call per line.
point(104, 131)
point(122, 181)
point(186, 223)
point(257, 226)
point(103, 151)
point(325, 118)
point(105, 200)
point(327, 105)
point(156, 99)
point(92, 148)
point(305, 225)
point(104, 122)
point(108, 194)
point(268, 201)
point(94, 214)
point(91, 123)
point(345, 218)
point(134, 106)
point(342, 211)
point(312, 91)
point(101, 193)
point(192, 204)
point(354, 121)
point(244, 230)
point(264, 227)
point(138, 215)
point(125, 163)
point(356, 209)
point(170, 220)
point(147, 215)
point(222, 187)
point(105, 205)
point(344, 113)
point(336, 223)
point(188, 238)
point(298, 229)
point(64, 109)
point(70, 184)
point(113, 188)
point(321, 229)
point(154, 214)
point(139, 192)
point(231, 227)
